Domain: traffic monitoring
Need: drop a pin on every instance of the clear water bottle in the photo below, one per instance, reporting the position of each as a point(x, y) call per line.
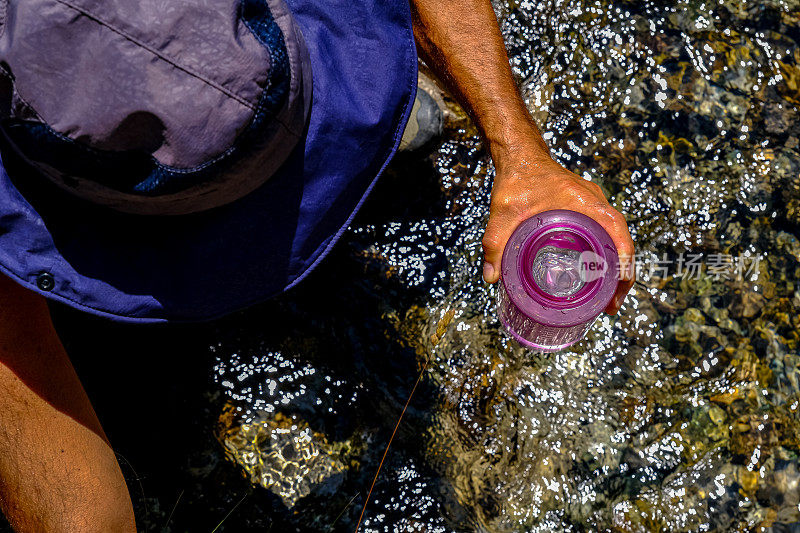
point(559, 272)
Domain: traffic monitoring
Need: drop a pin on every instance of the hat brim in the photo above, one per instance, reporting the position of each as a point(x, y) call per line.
point(200, 266)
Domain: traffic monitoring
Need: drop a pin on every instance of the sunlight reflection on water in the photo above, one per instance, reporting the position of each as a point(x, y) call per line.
point(681, 413)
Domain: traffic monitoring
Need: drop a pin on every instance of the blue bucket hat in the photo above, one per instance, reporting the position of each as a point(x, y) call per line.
point(174, 161)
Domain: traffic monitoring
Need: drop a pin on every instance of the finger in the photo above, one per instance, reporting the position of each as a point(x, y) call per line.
point(622, 240)
point(623, 287)
point(616, 226)
point(493, 244)
point(498, 231)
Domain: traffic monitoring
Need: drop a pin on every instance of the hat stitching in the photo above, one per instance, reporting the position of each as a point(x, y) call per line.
point(159, 55)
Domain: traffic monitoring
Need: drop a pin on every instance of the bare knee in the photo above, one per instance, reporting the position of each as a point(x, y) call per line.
point(57, 469)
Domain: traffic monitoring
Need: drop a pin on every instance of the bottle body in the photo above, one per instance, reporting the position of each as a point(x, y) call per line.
point(559, 272)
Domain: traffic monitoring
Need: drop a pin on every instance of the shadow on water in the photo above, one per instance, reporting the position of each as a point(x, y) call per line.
point(681, 414)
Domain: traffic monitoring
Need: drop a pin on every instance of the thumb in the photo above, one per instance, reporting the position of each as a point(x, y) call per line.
point(494, 241)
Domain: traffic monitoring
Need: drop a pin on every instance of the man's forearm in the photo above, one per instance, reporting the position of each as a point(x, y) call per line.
point(461, 41)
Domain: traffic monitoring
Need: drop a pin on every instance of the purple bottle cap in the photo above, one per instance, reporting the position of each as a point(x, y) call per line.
point(559, 272)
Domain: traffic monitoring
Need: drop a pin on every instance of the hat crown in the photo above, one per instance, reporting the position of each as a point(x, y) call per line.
point(155, 106)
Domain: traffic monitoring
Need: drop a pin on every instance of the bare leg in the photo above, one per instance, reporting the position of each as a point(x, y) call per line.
point(57, 470)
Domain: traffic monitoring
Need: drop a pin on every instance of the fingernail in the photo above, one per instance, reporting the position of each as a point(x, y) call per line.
point(488, 272)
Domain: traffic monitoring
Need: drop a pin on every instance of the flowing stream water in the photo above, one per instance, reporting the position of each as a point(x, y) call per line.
point(680, 414)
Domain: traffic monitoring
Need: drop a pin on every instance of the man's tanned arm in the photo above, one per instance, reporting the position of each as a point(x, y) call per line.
point(461, 41)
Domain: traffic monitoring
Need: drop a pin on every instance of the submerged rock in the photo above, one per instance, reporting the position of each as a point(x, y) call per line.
point(283, 455)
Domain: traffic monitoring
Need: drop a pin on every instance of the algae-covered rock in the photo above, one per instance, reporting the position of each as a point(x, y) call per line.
point(284, 455)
